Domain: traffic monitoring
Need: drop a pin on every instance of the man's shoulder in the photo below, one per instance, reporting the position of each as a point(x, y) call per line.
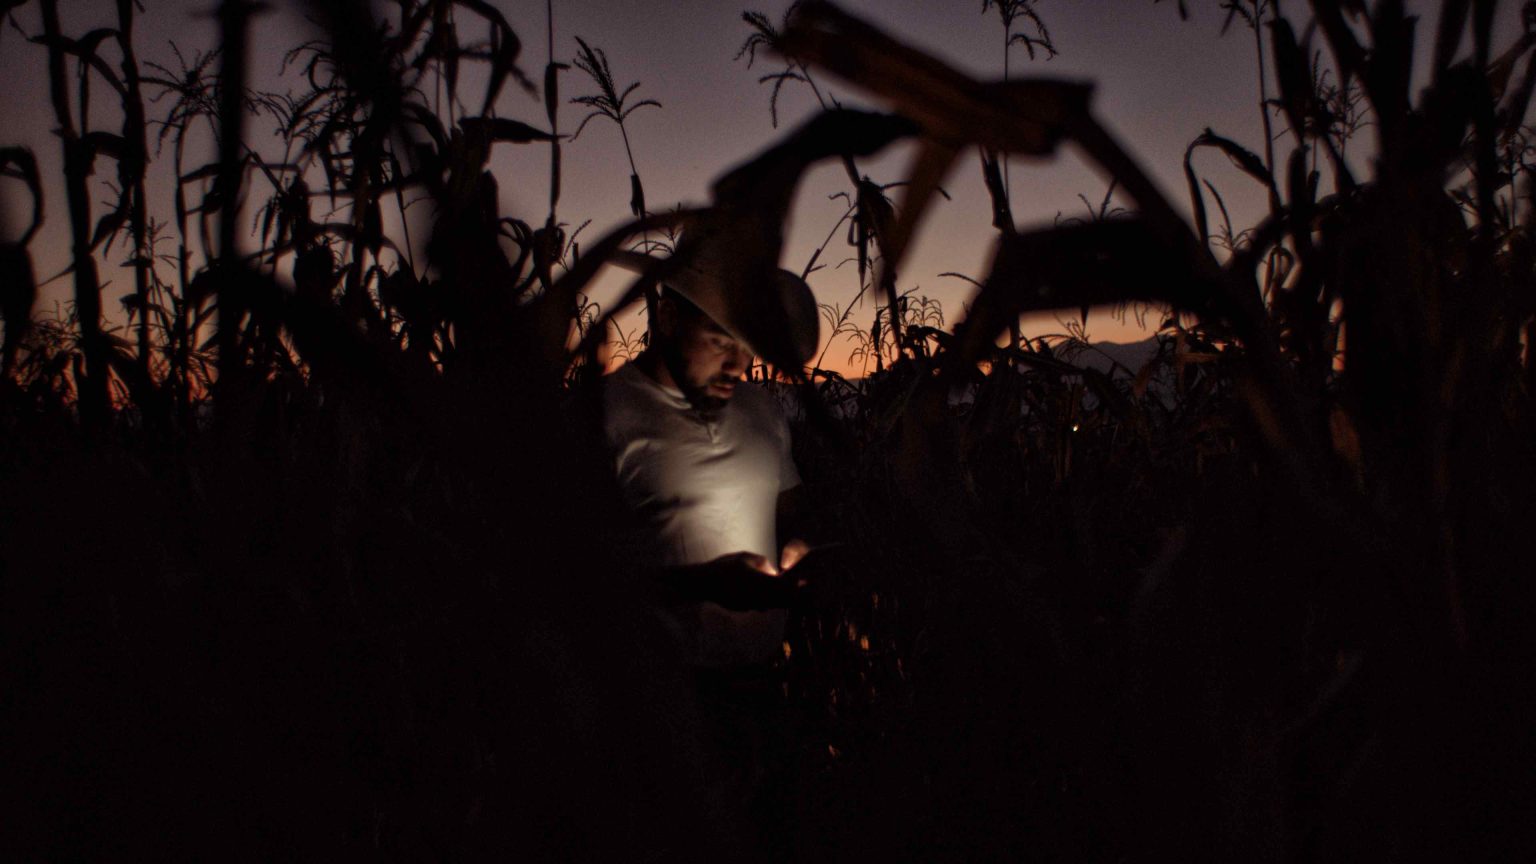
point(624, 376)
point(632, 404)
point(626, 388)
point(615, 399)
point(630, 382)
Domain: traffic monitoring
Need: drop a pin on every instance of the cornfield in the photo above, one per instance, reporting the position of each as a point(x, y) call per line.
point(302, 558)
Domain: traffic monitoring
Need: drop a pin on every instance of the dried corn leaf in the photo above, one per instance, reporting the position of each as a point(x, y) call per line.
point(1029, 116)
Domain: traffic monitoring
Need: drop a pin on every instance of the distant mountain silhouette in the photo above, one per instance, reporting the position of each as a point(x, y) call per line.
point(1131, 356)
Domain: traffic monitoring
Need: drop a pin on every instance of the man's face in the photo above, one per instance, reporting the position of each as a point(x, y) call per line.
point(704, 360)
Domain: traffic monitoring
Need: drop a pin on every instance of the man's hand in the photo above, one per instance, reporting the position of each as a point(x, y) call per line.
point(740, 581)
point(751, 560)
point(791, 554)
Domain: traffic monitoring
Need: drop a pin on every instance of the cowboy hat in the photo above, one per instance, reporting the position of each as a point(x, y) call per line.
point(774, 315)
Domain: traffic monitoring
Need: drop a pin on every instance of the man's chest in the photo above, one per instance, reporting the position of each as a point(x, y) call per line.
point(689, 458)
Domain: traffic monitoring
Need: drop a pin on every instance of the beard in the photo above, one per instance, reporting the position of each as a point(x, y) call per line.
point(697, 393)
point(699, 398)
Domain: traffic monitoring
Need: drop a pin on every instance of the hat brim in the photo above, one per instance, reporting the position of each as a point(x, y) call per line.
point(777, 318)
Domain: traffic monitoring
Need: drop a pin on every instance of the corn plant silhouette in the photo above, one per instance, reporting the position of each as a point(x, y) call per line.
point(869, 208)
point(609, 103)
point(1326, 428)
point(1251, 595)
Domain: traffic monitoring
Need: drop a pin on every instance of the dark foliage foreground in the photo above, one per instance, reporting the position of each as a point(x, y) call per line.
point(340, 581)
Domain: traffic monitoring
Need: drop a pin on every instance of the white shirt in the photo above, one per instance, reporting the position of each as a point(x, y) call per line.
point(703, 484)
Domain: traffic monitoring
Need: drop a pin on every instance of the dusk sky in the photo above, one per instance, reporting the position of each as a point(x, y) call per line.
point(1159, 82)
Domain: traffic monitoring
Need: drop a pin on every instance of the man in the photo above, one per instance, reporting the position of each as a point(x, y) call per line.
point(702, 460)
